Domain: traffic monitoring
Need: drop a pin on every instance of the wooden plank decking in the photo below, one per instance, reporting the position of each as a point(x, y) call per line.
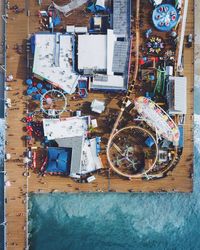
point(18, 28)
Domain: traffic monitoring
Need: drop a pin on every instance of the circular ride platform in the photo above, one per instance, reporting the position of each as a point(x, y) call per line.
point(165, 17)
point(155, 45)
point(53, 103)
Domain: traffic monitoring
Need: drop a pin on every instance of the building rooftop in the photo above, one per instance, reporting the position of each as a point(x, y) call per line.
point(84, 157)
point(76, 144)
point(116, 54)
point(65, 128)
point(92, 52)
point(53, 60)
point(177, 95)
point(121, 49)
point(121, 17)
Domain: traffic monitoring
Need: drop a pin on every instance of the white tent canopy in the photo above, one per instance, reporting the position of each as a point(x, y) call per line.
point(65, 9)
point(97, 106)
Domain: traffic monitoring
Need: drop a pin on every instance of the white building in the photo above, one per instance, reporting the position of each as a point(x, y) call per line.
point(103, 58)
point(64, 128)
point(72, 133)
point(53, 60)
point(177, 95)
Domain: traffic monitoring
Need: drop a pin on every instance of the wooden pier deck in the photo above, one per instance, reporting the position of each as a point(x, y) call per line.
point(18, 28)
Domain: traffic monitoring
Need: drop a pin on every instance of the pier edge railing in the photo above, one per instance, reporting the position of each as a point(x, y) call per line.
point(3, 10)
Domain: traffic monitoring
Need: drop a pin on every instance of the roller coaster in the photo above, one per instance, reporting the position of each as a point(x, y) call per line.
point(148, 173)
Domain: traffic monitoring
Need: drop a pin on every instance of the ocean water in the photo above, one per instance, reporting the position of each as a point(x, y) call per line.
point(120, 221)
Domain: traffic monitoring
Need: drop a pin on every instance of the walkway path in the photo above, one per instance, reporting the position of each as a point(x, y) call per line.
point(16, 193)
point(2, 132)
point(2, 58)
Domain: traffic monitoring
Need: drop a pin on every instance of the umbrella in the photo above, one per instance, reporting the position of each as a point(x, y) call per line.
point(37, 97)
point(29, 91)
point(34, 89)
point(39, 85)
point(29, 82)
point(7, 184)
point(49, 101)
point(43, 91)
point(8, 156)
point(48, 86)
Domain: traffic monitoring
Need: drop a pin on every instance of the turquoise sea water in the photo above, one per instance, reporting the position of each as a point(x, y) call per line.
point(119, 221)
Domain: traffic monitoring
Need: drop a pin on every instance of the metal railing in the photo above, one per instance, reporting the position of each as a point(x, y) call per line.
point(3, 12)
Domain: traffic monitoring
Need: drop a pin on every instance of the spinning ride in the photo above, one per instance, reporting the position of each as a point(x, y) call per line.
point(155, 45)
point(53, 103)
point(165, 17)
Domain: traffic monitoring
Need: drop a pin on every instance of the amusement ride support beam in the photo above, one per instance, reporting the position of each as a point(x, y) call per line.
point(4, 18)
point(3, 68)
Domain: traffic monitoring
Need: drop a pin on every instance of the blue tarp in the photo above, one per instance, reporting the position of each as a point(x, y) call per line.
point(33, 44)
point(56, 21)
point(181, 139)
point(149, 142)
point(58, 160)
point(91, 8)
point(100, 8)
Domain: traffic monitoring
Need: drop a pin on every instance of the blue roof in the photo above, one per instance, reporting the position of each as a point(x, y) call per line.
point(58, 160)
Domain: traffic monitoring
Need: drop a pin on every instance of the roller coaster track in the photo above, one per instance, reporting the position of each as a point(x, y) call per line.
point(131, 87)
point(124, 103)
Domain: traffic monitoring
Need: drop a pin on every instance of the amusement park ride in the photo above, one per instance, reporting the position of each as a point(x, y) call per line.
point(53, 103)
point(127, 156)
point(133, 151)
point(158, 125)
point(139, 137)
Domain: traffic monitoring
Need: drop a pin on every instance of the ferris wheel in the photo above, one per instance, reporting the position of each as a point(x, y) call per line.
point(53, 103)
point(157, 118)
